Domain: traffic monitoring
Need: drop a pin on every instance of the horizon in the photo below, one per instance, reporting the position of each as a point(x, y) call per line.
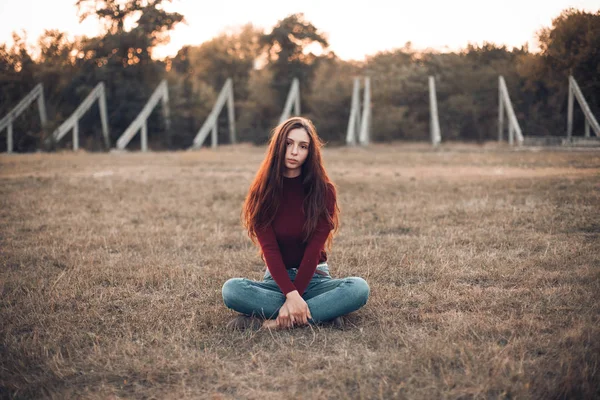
point(462, 23)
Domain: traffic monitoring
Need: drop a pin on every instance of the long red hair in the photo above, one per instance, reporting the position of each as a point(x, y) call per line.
point(265, 191)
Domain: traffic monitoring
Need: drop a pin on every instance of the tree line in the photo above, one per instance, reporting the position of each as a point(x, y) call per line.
point(263, 64)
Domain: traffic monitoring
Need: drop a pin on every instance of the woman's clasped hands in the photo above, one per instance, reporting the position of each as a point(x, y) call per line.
point(294, 311)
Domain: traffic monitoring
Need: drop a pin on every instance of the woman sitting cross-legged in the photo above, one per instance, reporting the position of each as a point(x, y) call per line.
point(291, 211)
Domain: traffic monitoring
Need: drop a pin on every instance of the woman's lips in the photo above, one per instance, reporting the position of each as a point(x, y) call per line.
point(292, 161)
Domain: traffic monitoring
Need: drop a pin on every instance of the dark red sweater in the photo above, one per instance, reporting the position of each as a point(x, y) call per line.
point(282, 242)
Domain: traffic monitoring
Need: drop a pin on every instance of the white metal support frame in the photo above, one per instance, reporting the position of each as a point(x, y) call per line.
point(434, 122)
point(7, 121)
point(365, 122)
point(293, 101)
point(513, 124)
point(590, 120)
point(360, 125)
point(72, 123)
point(354, 120)
point(211, 123)
point(140, 123)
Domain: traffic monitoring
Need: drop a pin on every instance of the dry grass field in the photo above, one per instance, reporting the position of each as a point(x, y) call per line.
point(483, 262)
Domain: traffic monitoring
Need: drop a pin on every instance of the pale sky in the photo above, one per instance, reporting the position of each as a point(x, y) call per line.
point(354, 28)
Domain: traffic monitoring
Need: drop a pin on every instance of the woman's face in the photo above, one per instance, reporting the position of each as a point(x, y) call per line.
point(296, 151)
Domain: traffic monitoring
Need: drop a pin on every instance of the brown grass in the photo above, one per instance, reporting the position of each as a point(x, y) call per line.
point(484, 266)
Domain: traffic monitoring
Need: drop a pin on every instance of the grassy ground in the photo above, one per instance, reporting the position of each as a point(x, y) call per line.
point(483, 262)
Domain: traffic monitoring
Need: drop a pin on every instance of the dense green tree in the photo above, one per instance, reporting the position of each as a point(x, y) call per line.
point(287, 52)
point(19, 73)
point(466, 87)
point(330, 97)
point(261, 109)
point(263, 65)
point(229, 55)
point(191, 101)
point(399, 88)
point(569, 47)
point(122, 58)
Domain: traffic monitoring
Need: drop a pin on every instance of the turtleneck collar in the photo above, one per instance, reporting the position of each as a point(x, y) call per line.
point(292, 183)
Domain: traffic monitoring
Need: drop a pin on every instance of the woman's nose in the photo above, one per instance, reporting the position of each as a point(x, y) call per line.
point(294, 150)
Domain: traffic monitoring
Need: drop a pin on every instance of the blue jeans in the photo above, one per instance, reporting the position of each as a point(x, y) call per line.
point(327, 298)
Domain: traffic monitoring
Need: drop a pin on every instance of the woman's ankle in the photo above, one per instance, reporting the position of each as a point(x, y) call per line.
point(270, 324)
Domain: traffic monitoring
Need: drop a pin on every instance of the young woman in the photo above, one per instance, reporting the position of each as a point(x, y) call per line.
point(291, 211)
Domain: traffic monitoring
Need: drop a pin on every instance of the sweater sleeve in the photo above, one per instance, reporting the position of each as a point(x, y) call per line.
point(316, 243)
point(270, 248)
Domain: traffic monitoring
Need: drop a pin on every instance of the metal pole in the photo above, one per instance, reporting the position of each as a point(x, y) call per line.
point(297, 98)
point(434, 121)
point(511, 134)
point(42, 108)
point(104, 119)
point(584, 106)
point(500, 111)
point(231, 113)
point(36, 93)
point(292, 101)
point(76, 136)
point(161, 92)
point(9, 138)
point(570, 112)
point(353, 122)
point(364, 136)
point(145, 136)
point(358, 113)
point(213, 135)
point(513, 123)
point(165, 107)
point(587, 128)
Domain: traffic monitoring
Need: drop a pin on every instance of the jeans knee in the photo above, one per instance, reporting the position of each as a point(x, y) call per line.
point(231, 290)
point(361, 290)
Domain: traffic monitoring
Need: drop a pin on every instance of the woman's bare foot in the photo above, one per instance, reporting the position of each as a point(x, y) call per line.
point(270, 324)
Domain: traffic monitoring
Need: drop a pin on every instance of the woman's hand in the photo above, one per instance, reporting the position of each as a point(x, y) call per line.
point(293, 312)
